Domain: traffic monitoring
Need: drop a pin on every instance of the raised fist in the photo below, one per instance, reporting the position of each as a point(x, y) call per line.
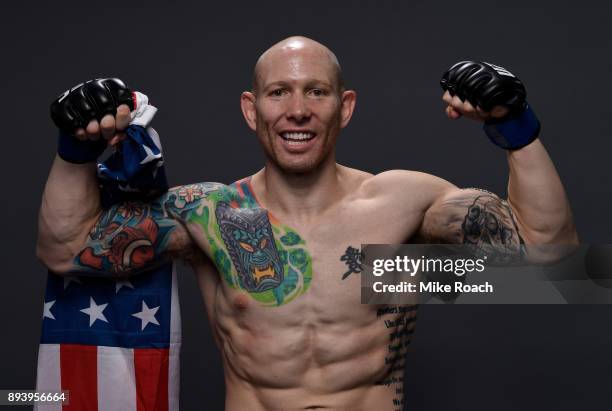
point(88, 101)
point(482, 91)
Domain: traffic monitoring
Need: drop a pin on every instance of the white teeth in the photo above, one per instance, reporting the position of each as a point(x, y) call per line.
point(297, 136)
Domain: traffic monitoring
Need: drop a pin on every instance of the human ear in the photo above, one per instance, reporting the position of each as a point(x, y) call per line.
point(348, 100)
point(247, 104)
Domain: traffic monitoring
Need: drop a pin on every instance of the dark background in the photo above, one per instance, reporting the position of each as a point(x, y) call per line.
point(194, 59)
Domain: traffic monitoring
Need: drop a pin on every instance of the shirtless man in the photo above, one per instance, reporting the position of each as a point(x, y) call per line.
point(276, 253)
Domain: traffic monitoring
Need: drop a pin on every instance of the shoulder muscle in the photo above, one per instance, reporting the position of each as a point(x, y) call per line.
point(412, 189)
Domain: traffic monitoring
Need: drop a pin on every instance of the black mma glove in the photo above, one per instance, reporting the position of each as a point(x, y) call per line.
point(76, 107)
point(94, 99)
point(486, 85)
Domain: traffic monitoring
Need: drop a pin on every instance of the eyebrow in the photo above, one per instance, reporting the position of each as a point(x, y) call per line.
point(310, 83)
point(276, 84)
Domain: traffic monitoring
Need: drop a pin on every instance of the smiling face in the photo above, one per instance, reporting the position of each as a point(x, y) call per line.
point(298, 105)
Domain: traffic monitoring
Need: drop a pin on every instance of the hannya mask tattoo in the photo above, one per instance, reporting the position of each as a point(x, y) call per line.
point(248, 237)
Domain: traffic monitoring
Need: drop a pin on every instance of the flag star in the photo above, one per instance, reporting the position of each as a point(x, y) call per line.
point(69, 279)
point(150, 156)
point(147, 315)
point(123, 283)
point(95, 311)
point(47, 311)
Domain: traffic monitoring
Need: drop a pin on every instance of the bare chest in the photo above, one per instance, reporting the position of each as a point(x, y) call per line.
point(289, 296)
point(274, 261)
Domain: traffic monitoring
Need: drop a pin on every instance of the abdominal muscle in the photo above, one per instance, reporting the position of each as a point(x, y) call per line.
point(314, 353)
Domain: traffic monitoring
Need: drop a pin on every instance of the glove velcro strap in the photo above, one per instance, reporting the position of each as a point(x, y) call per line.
point(73, 150)
point(514, 132)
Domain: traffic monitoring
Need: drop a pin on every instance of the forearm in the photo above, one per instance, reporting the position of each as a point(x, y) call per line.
point(70, 206)
point(538, 199)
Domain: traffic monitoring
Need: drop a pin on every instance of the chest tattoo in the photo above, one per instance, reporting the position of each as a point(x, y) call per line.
point(352, 258)
point(247, 235)
point(253, 251)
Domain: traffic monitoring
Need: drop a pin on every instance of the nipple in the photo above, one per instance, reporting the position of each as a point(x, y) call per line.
point(241, 301)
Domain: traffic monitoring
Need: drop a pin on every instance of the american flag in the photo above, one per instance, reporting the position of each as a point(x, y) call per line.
point(115, 344)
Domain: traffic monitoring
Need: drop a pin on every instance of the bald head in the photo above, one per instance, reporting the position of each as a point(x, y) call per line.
point(297, 47)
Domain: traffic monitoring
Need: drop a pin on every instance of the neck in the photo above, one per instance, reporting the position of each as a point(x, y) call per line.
point(299, 195)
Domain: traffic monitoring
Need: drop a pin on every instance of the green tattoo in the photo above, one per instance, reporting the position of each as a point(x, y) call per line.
point(252, 251)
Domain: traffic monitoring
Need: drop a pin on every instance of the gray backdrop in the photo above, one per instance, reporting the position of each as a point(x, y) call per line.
point(194, 59)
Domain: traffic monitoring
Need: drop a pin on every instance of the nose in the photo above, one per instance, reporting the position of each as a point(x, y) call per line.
point(298, 109)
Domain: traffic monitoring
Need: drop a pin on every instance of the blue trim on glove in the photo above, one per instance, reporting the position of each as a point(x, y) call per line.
point(514, 132)
point(73, 150)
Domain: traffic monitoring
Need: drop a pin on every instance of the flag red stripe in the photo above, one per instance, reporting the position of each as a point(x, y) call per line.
point(79, 369)
point(151, 369)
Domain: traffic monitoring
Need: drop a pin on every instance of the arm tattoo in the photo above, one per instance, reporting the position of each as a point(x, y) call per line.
point(125, 238)
point(479, 220)
point(489, 228)
point(133, 236)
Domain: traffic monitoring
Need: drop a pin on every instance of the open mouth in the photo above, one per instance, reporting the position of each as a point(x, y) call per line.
point(297, 137)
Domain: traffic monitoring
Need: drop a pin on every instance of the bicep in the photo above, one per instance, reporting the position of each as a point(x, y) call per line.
point(130, 237)
point(473, 217)
point(134, 236)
